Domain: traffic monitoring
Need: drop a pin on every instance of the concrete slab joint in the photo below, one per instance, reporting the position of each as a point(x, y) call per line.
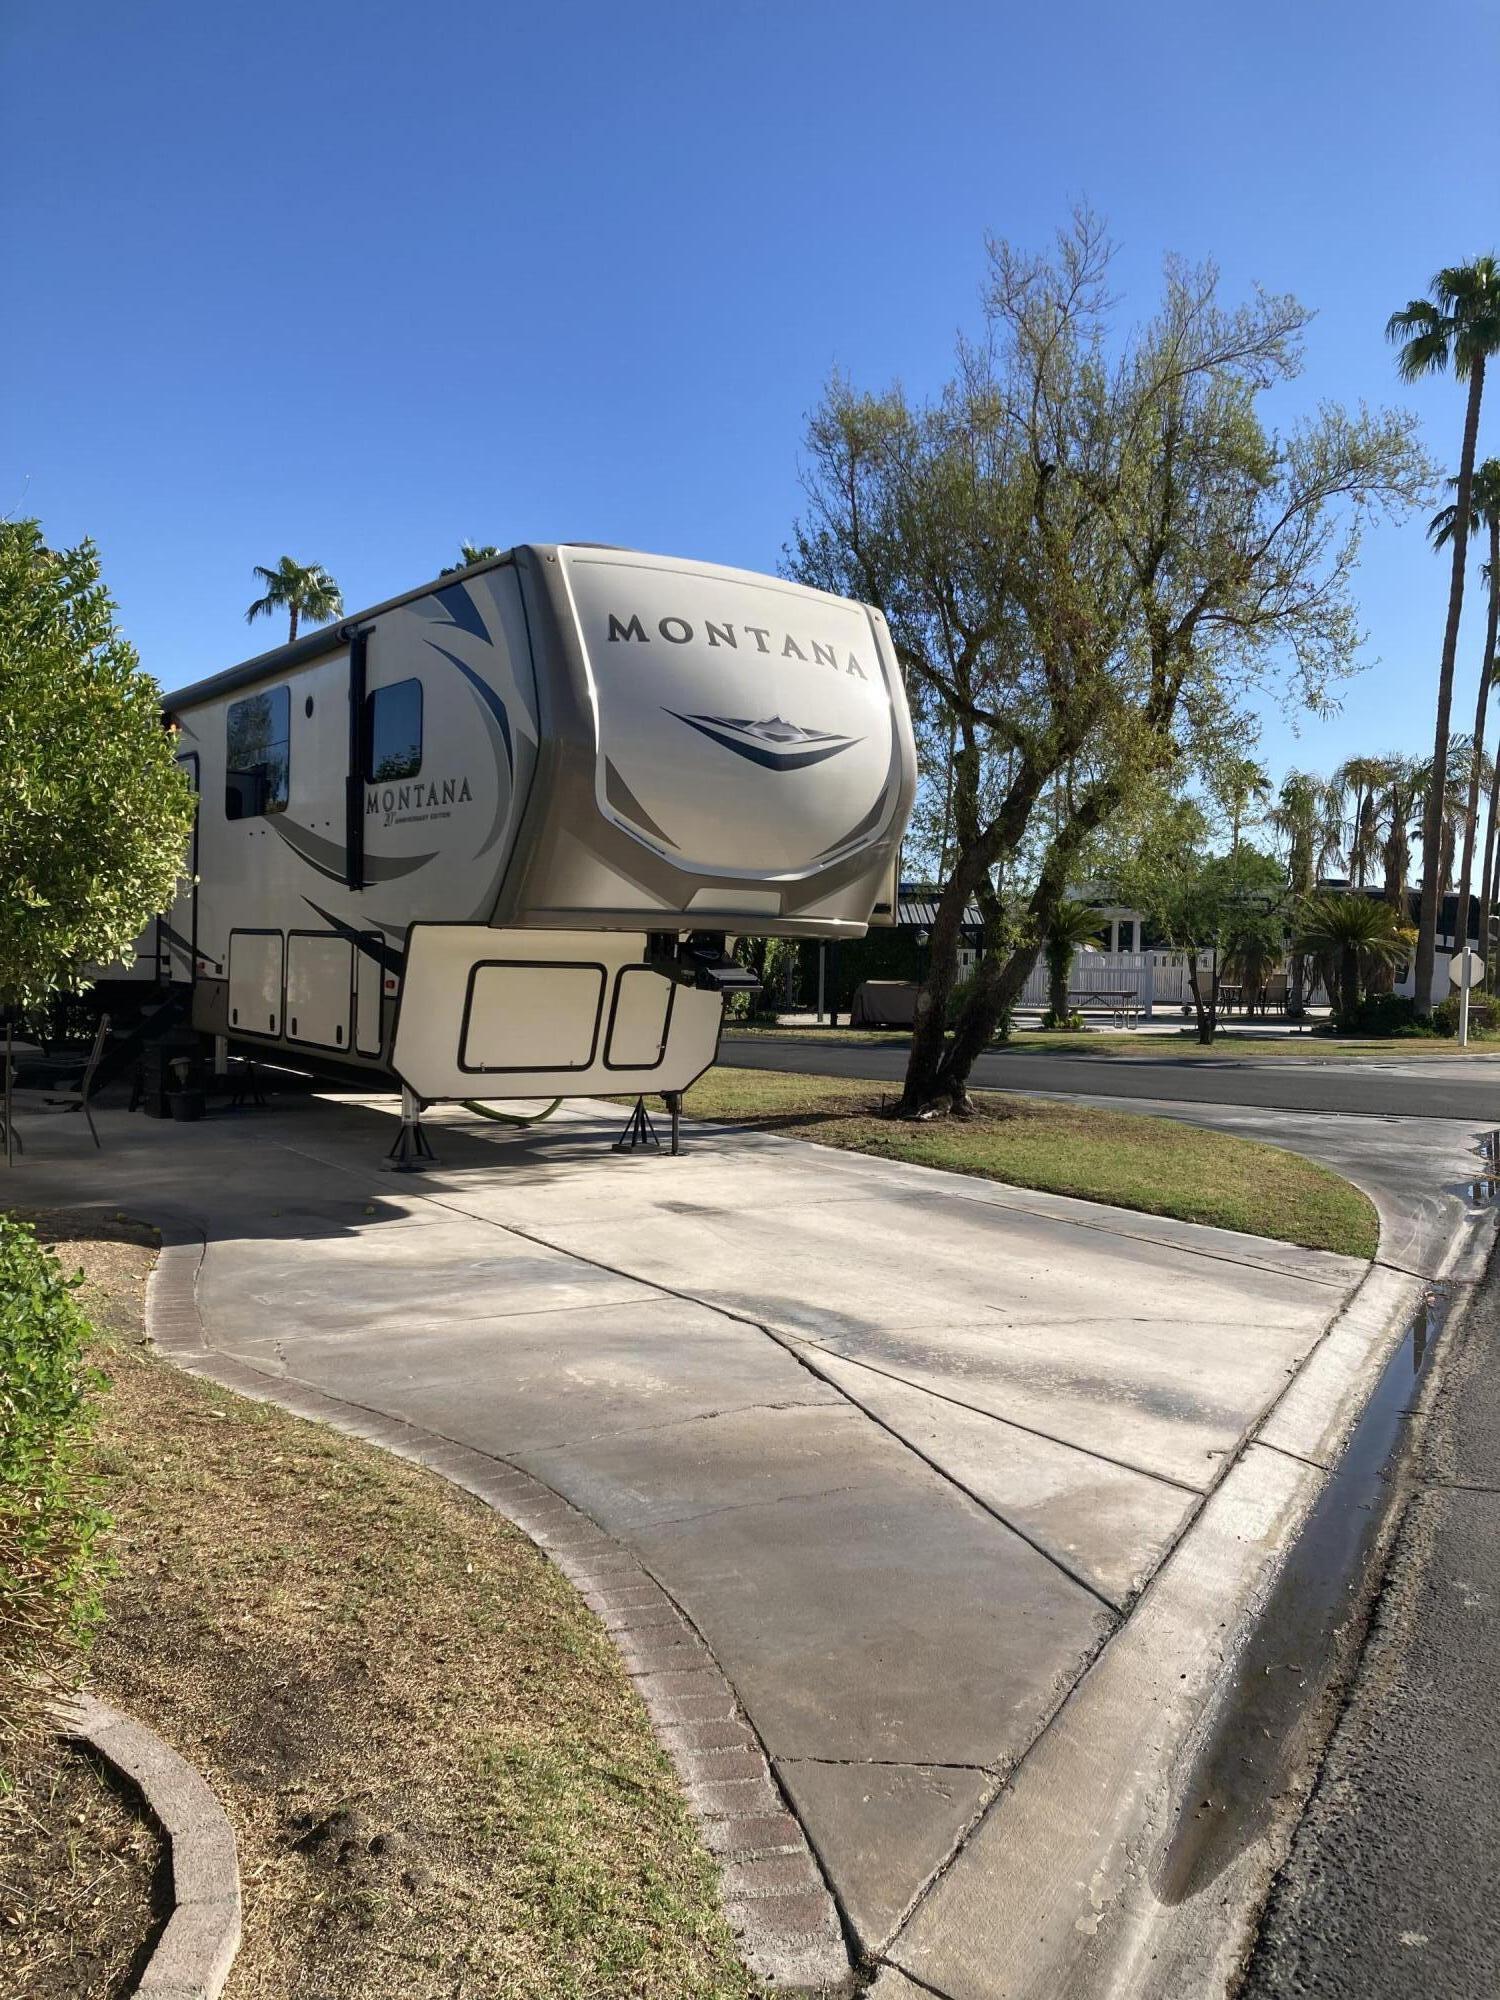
point(773, 1892)
point(932, 1571)
point(196, 1949)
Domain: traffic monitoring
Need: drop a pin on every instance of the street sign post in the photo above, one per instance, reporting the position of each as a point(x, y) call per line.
point(1465, 970)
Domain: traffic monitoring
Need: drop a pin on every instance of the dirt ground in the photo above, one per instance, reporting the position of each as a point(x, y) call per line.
point(440, 1778)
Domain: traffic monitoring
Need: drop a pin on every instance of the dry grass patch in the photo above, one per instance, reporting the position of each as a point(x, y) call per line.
point(1155, 1164)
point(440, 1777)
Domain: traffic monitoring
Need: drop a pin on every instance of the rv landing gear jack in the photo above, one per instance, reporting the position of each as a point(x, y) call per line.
point(639, 1130)
point(410, 1154)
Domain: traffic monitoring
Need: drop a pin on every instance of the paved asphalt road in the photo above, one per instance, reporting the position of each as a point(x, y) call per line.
point(1389, 1892)
point(1461, 1087)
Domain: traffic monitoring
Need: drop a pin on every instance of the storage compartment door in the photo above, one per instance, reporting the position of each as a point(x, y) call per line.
point(369, 985)
point(319, 989)
point(255, 982)
point(531, 1015)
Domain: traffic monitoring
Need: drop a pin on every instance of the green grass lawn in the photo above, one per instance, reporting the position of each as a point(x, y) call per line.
point(1153, 1041)
point(440, 1776)
point(1153, 1164)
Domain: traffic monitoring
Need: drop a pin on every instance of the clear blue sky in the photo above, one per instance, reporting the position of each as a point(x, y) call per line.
point(352, 280)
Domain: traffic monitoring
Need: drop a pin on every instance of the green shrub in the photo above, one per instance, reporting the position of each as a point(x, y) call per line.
point(50, 1527)
point(1384, 1014)
point(1481, 1016)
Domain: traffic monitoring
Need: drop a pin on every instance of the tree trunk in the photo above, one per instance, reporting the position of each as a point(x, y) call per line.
point(1348, 985)
point(1296, 1005)
point(1432, 818)
point(291, 635)
point(930, 1022)
point(928, 1066)
point(1207, 1011)
point(1058, 968)
point(1471, 821)
point(997, 983)
point(1486, 675)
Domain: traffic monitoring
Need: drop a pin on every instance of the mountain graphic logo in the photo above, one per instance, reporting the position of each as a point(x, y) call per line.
point(774, 743)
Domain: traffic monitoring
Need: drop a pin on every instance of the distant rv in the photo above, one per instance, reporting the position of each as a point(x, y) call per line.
point(493, 838)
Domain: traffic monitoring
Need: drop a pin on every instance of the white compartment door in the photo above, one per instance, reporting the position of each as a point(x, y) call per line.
point(319, 989)
point(369, 984)
point(255, 982)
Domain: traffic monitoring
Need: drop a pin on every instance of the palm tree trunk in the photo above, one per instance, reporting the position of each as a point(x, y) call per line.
point(1349, 985)
point(1432, 818)
point(1487, 892)
point(1471, 824)
point(293, 633)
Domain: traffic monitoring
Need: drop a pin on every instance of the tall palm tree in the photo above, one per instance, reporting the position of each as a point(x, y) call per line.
point(1364, 777)
point(1398, 813)
point(1458, 325)
point(1242, 786)
point(1305, 818)
point(1484, 516)
point(470, 552)
point(304, 590)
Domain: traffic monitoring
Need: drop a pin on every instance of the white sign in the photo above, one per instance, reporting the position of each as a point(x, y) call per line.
point(1466, 969)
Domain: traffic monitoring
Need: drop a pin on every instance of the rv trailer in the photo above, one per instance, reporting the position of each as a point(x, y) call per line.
point(492, 838)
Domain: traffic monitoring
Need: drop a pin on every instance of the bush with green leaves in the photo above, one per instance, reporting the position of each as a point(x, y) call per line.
point(50, 1524)
point(94, 812)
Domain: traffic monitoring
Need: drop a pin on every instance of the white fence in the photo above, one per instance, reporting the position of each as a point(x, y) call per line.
point(1134, 980)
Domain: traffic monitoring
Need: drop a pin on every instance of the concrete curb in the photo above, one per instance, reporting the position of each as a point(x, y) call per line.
point(1057, 1890)
point(195, 1951)
point(772, 1888)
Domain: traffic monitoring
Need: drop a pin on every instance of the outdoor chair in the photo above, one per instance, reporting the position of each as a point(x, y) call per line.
point(57, 1089)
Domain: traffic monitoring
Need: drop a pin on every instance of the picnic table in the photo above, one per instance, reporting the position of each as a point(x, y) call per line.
point(1123, 1002)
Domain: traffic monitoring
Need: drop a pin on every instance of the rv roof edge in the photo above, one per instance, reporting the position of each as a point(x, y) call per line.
point(326, 639)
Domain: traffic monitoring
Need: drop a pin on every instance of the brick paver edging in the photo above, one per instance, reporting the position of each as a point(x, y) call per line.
point(772, 1889)
point(195, 1951)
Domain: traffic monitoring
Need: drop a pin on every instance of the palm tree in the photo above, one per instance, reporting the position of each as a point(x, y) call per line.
point(1398, 811)
point(1364, 777)
point(1070, 925)
point(1242, 785)
point(305, 590)
point(1484, 514)
point(469, 553)
point(1460, 324)
point(1352, 934)
point(1305, 818)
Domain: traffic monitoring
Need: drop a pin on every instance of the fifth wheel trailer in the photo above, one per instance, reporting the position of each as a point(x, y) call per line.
point(491, 838)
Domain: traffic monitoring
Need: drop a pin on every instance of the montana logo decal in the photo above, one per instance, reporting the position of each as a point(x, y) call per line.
point(775, 744)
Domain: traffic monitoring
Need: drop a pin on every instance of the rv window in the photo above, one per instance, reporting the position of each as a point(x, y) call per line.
point(393, 731)
point(257, 760)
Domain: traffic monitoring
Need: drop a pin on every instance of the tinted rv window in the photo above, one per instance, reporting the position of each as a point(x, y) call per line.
point(393, 731)
point(257, 761)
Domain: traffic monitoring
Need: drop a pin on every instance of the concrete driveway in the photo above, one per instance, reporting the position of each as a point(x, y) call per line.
point(902, 1446)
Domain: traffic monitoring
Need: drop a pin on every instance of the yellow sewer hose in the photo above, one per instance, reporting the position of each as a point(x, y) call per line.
point(510, 1117)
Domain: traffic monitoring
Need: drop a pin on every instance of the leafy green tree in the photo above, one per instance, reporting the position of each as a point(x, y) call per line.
point(1484, 518)
point(303, 590)
point(470, 552)
point(1352, 935)
point(1457, 327)
point(1215, 909)
point(94, 811)
point(1069, 925)
point(1087, 546)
